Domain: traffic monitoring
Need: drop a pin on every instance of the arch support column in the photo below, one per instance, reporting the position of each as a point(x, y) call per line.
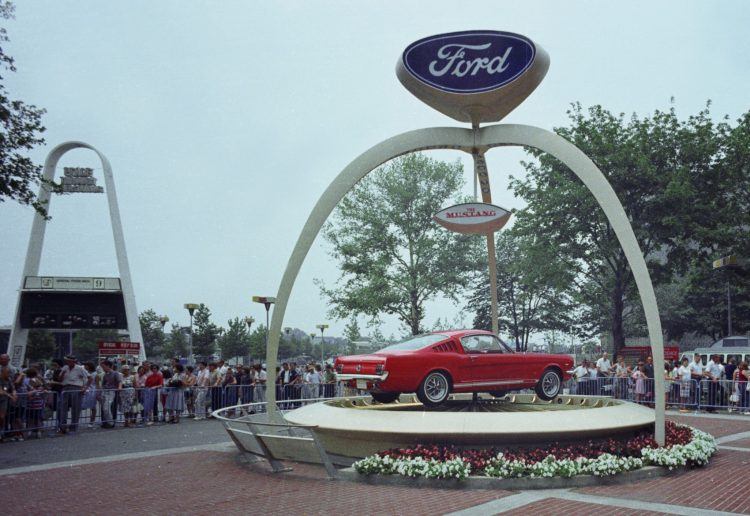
point(467, 140)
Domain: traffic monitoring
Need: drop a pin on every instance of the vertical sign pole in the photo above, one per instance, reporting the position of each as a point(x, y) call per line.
point(729, 310)
point(480, 172)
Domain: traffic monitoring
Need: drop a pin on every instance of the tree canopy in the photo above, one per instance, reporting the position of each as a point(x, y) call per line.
point(393, 257)
point(681, 184)
point(20, 131)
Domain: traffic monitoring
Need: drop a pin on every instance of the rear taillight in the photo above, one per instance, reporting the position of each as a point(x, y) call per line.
point(379, 368)
point(339, 368)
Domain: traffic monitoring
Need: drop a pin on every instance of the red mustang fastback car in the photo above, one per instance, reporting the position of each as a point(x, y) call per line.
point(438, 364)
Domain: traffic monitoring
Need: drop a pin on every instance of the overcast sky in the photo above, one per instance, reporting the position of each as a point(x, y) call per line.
point(225, 121)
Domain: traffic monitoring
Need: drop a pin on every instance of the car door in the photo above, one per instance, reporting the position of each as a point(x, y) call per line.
point(487, 363)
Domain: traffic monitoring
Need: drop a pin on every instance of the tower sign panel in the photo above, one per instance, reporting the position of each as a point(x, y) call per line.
point(77, 179)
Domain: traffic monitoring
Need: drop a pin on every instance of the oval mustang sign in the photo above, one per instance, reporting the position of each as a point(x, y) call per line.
point(473, 217)
point(474, 76)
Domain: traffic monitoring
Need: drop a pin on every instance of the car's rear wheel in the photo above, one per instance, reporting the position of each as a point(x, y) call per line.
point(549, 385)
point(385, 397)
point(498, 394)
point(434, 389)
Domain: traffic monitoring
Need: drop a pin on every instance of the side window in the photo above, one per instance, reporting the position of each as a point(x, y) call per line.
point(482, 344)
point(471, 344)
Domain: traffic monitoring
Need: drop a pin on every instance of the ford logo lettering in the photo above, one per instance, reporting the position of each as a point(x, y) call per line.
point(471, 61)
point(473, 76)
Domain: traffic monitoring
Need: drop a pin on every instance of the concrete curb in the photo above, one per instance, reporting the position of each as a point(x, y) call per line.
point(523, 483)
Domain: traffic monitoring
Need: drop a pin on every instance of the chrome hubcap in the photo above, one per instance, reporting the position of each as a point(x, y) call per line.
point(436, 387)
point(550, 384)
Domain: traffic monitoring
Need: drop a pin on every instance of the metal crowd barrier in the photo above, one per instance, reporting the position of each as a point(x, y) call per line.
point(38, 413)
point(681, 394)
point(258, 436)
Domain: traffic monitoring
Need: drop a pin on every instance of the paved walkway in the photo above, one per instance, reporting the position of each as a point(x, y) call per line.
point(195, 477)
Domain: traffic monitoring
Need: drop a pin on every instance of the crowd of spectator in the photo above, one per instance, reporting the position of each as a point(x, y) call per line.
point(56, 397)
point(688, 384)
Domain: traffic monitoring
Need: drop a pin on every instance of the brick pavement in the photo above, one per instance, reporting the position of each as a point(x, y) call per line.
point(722, 485)
point(211, 482)
point(715, 427)
point(207, 481)
point(559, 506)
point(742, 443)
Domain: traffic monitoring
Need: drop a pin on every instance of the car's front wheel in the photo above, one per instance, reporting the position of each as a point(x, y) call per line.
point(549, 385)
point(434, 389)
point(385, 397)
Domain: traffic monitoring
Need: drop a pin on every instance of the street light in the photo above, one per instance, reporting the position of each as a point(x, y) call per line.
point(191, 308)
point(728, 262)
point(322, 328)
point(163, 320)
point(249, 321)
point(267, 301)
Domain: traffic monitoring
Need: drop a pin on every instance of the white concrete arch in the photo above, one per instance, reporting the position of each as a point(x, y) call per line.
point(17, 344)
point(467, 140)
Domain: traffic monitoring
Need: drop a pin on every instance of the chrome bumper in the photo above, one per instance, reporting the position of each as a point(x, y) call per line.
point(343, 377)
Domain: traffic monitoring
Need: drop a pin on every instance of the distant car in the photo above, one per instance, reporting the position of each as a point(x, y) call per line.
point(437, 364)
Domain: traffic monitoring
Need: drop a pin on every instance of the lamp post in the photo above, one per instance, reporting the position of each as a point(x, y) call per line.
point(163, 320)
point(266, 301)
point(322, 328)
point(191, 308)
point(727, 262)
point(249, 321)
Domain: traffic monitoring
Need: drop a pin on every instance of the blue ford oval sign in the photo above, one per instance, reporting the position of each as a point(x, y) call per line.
point(469, 61)
point(475, 76)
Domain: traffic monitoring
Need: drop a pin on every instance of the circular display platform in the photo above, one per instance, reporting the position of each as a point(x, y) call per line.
point(356, 427)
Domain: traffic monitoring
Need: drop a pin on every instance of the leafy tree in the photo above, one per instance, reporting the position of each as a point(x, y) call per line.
point(532, 286)
point(660, 168)
point(40, 345)
point(351, 330)
point(393, 257)
point(20, 131)
point(235, 341)
point(153, 333)
point(257, 341)
point(86, 342)
point(177, 343)
point(205, 333)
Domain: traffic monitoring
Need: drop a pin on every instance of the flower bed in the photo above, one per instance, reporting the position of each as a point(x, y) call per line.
point(685, 446)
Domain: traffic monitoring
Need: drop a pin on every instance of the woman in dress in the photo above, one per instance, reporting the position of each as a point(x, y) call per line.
point(230, 390)
point(140, 388)
point(175, 403)
point(190, 380)
point(742, 376)
point(683, 373)
point(640, 383)
point(127, 396)
point(91, 394)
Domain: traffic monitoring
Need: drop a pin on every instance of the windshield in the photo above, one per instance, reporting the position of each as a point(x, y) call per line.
point(417, 342)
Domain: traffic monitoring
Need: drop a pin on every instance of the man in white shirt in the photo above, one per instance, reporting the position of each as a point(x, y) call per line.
point(603, 365)
point(697, 373)
point(202, 382)
point(604, 369)
point(581, 374)
point(74, 381)
point(713, 373)
point(261, 377)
